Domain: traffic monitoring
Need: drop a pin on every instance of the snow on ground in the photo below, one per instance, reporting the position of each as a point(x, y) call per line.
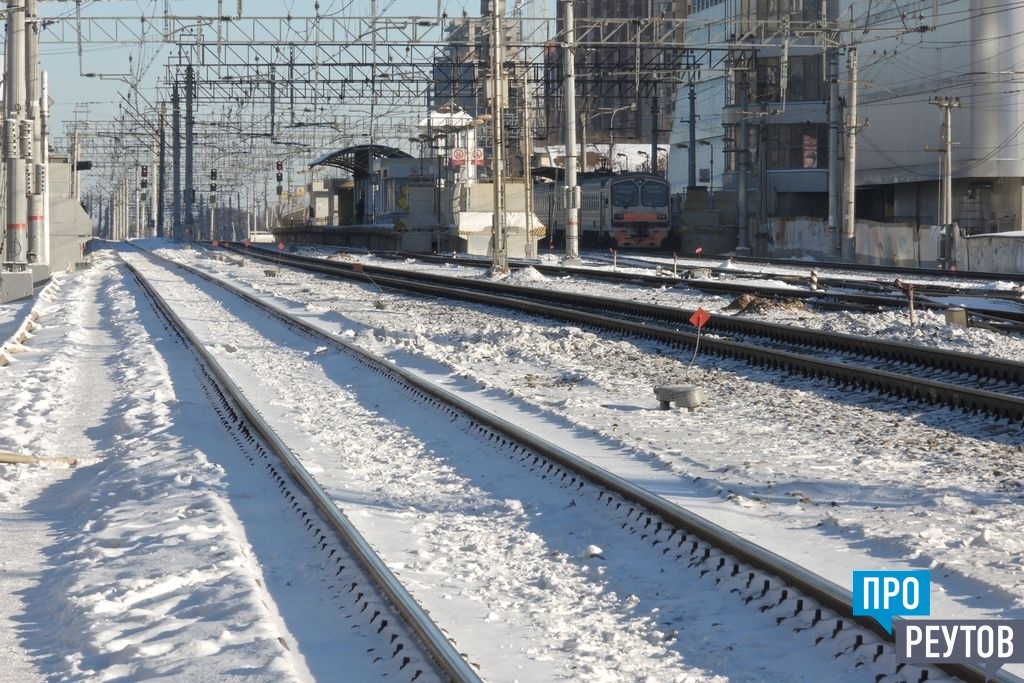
point(931, 328)
point(99, 558)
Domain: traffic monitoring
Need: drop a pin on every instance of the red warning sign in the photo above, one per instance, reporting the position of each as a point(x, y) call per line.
point(700, 318)
point(459, 156)
point(478, 156)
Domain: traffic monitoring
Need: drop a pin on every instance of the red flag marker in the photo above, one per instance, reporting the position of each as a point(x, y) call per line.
point(700, 318)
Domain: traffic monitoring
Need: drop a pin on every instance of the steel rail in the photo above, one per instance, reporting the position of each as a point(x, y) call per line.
point(822, 591)
point(878, 296)
point(580, 309)
point(435, 643)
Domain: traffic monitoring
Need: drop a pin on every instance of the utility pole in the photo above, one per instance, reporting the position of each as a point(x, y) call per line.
point(36, 163)
point(850, 186)
point(743, 152)
point(527, 142)
point(44, 145)
point(655, 124)
point(691, 146)
point(161, 177)
point(190, 187)
point(176, 233)
point(835, 184)
point(572, 209)
point(15, 148)
point(498, 227)
point(946, 104)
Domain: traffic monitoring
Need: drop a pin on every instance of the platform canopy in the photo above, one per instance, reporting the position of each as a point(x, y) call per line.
point(358, 158)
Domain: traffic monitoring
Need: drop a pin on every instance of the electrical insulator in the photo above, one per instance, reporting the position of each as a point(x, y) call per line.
point(30, 178)
point(11, 138)
point(40, 186)
point(25, 138)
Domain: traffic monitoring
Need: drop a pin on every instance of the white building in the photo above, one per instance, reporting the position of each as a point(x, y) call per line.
point(782, 87)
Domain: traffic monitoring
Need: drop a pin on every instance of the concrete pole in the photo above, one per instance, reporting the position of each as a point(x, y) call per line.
point(655, 124)
point(37, 162)
point(122, 210)
point(75, 181)
point(190, 228)
point(531, 244)
point(583, 141)
point(743, 152)
point(213, 215)
point(945, 150)
point(44, 146)
point(161, 173)
point(834, 126)
point(176, 233)
point(572, 209)
point(850, 186)
point(16, 247)
point(947, 155)
point(117, 214)
point(114, 214)
point(498, 227)
point(691, 145)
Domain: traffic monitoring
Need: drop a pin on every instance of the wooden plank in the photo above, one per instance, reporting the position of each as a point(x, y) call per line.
point(21, 458)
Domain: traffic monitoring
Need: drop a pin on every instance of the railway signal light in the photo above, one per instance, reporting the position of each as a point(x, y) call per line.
point(144, 183)
point(280, 169)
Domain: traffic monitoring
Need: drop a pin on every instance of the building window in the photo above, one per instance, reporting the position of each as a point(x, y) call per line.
point(803, 84)
point(802, 145)
point(806, 83)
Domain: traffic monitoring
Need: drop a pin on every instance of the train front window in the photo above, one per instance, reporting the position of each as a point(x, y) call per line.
point(625, 195)
point(654, 194)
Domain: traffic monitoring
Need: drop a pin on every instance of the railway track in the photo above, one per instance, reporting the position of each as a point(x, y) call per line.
point(995, 309)
point(930, 376)
point(402, 626)
point(800, 600)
